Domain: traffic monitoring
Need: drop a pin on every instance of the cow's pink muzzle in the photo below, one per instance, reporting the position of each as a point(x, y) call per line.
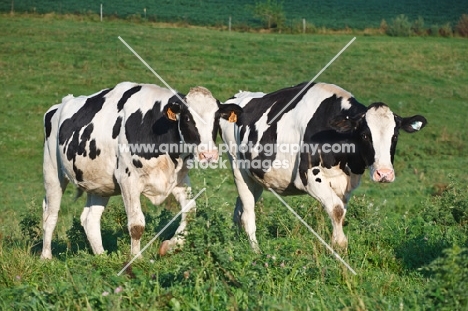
point(208, 156)
point(384, 175)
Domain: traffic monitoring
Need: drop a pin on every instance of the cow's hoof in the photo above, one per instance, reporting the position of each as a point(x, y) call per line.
point(341, 247)
point(46, 256)
point(255, 248)
point(164, 248)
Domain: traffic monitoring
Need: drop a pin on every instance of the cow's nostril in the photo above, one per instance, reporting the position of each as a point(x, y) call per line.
point(208, 156)
point(384, 175)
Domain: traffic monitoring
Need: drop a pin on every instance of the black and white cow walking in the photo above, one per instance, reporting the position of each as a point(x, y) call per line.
point(323, 142)
point(110, 143)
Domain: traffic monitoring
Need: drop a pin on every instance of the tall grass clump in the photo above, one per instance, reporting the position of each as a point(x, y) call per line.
point(462, 26)
point(400, 26)
point(418, 27)
point(448, 209)
point(434, 31)
point(448, 287)
point(446, 30)
point(383, 28)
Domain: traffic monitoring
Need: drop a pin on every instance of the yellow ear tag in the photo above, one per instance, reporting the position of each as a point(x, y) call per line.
point(232, 117)
point(171, 115)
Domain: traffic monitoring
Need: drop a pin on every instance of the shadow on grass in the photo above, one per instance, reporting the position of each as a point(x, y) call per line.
point(113, 231)
point(114, 228)
point(77, 240)
point(158, 223)
point(419, 251)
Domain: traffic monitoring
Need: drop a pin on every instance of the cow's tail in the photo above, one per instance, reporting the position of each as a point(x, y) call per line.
point(79, 193)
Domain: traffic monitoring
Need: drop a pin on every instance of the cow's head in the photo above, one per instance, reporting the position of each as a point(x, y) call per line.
point(376, 133)
point(198, 120)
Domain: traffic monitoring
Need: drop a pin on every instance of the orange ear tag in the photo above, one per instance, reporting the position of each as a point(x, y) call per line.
point(171, 115)
point(232, 117)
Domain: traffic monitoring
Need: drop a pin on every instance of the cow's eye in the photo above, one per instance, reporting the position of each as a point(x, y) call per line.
point(187, 119)
point(395, 137)
point(365, 136)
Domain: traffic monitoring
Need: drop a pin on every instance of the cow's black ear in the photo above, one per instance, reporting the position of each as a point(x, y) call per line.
point(229, 112)
point(345, 124)
point(412, 124)
point(172, 111)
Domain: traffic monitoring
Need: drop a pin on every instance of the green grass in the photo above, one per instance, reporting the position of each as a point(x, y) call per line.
point(395, 230)
point(334, 14)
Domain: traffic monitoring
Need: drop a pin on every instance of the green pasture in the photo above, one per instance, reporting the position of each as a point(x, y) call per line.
point(333, 14)
point(407, 240)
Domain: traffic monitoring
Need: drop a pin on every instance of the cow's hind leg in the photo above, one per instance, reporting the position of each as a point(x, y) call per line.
point(244, 213)
point(54, 186)
point(319, 188)
point(182, 193)
point(91, 221)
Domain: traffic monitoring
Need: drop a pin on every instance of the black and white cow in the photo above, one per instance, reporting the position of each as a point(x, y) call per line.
point(111, 143)
point(322, 143)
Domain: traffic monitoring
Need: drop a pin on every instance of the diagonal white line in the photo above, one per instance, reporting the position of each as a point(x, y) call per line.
point(151, 69)
point(160, 78)
point(313, 231)
point(313, 79)
point(161, 231)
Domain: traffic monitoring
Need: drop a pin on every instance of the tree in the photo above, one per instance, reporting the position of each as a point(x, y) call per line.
point(270, 12)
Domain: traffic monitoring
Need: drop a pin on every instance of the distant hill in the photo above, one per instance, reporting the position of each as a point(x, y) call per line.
point(334, 14)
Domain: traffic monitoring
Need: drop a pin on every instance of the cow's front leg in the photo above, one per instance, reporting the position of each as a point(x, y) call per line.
point(136, 219)
point(182, 194)
point(337, 215)
point(319, 188)
point(91, 221)
point(244, 213)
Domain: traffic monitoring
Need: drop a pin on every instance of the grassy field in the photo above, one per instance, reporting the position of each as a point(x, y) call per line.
point(334, 14)
point(407, 240)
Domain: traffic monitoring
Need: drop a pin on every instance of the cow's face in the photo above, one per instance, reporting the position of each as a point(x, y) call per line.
point(376, 134)
point(198, 121)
